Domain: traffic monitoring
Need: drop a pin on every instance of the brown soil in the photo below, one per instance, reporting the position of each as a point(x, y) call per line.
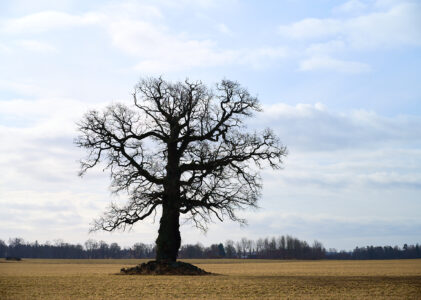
point(164, 268)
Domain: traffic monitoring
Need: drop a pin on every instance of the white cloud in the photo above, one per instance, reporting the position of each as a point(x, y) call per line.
point(385, 4)
point(326, 48)
point(36, 46)
point(386, 179)
point(30, 6)
point(348, 171)
point(223, 29)
point(23, 88)
point(399, 26)
point(351, 7)
point(36, 108)
point(328, 63)
point(5, 49)
point(39, 183)
point(143, 35)
point(311, 28)
point(260, 57)
point(204, 4)
point(46, 21)
point(388, 25)
point(358, 158)
point(313, 127)
point(132, 10)
point(159, 50)
point(376, 27)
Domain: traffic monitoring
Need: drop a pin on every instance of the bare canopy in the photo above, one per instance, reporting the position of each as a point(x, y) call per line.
point(182, 147)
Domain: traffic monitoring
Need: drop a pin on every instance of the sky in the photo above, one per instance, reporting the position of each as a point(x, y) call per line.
point(339, 82)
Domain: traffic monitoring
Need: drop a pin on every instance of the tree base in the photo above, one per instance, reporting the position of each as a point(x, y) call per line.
point(154, 267)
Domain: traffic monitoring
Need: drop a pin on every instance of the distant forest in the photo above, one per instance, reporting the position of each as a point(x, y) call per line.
point(283, 247)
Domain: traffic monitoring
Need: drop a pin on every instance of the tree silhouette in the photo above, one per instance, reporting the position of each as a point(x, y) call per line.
point(181, 148)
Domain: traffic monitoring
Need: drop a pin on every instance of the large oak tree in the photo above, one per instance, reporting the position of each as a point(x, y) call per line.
point(181, 148)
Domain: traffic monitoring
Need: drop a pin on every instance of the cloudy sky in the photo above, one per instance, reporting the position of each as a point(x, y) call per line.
point(339, 82)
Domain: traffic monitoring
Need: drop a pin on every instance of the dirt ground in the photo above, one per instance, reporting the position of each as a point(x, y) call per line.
point(237, 279)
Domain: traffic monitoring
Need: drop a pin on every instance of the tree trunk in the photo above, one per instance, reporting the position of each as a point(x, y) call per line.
point(169, 239)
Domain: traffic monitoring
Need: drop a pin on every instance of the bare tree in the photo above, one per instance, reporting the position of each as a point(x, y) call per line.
point(182, 148)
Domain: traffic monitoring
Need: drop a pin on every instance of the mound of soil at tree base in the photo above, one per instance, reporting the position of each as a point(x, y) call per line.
point(164, 268)
point(14, 258)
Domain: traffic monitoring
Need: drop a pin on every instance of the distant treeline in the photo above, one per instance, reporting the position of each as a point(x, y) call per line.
point(17, 247)
point(283, 247)
point(378, 252)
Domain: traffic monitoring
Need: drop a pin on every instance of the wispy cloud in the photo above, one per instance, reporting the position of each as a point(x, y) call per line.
point(37, 46)
point(380, 28)
point(396, 27)
point(328, 63)
point(157, 48)
point(160, 50)
point(47, 21)
point(314, 127)
point(351, 7)
point(223, 29)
